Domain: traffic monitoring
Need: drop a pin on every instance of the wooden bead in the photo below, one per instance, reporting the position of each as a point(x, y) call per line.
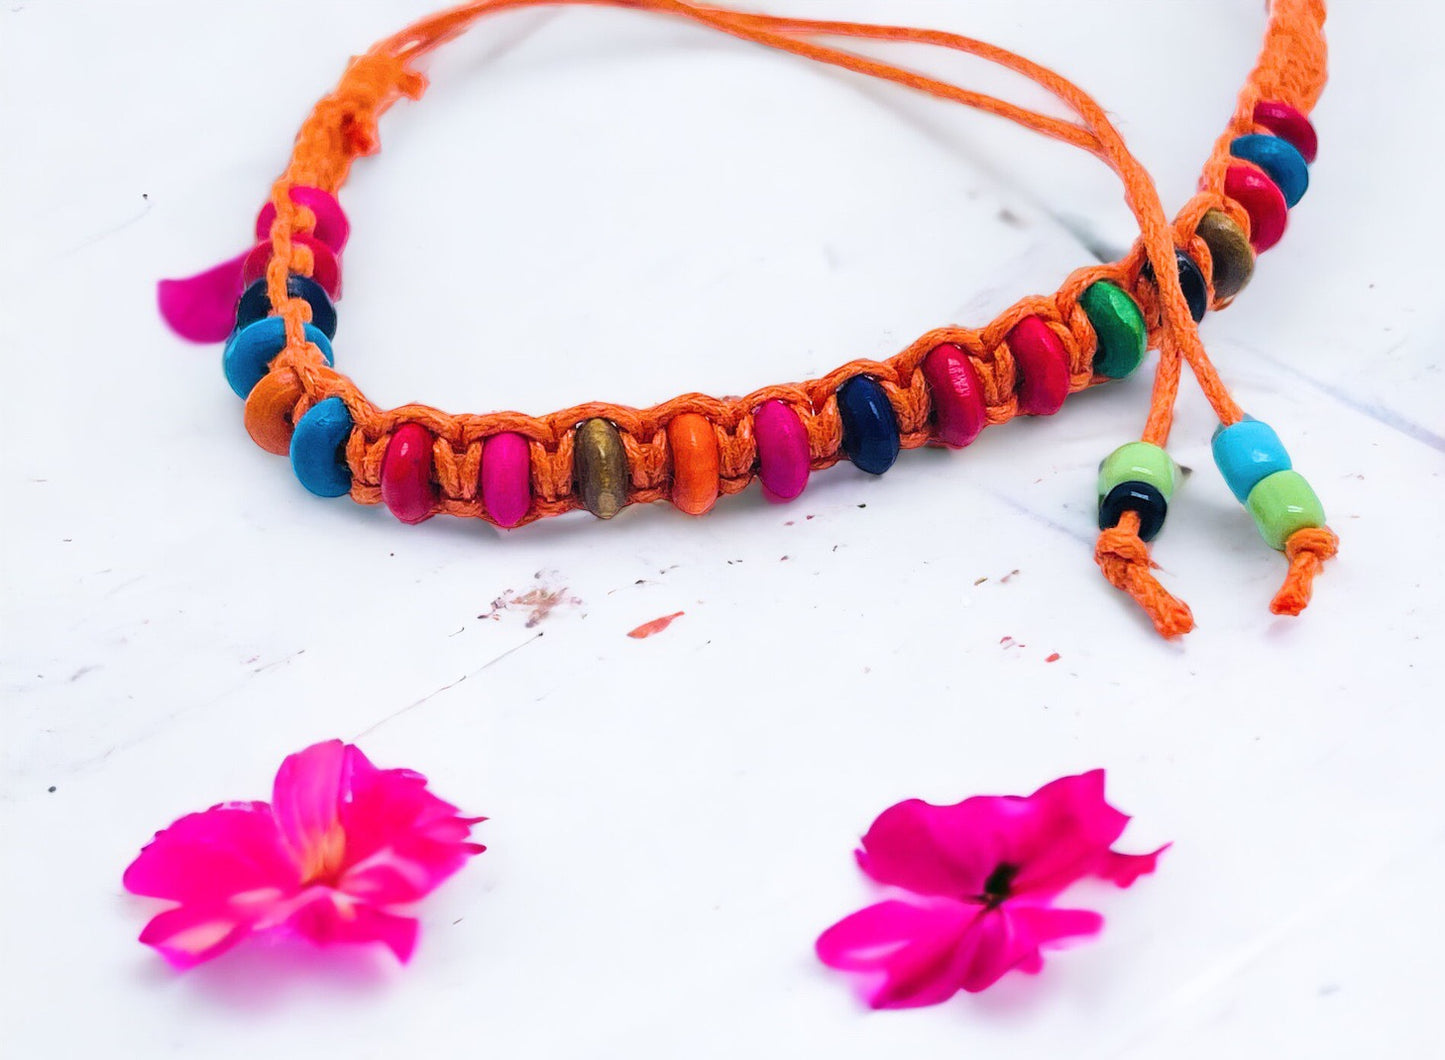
point(1282, 504)
point(784, 458)
point(959, 410)
point(695, 462)
point(318, 448)
point(1043, 366)
point(1119, 327)
point(507, 478)
point(255, 303)
point(325, 269)
point(269, 409)
point(1231, 256)
point(1280, 160)
point(250, 350)
point(1289, 124)
point(331, 228)
point(870, 426)
point(406, 474)
point(1191, 283)
point(1268, 213)
point(600, 464)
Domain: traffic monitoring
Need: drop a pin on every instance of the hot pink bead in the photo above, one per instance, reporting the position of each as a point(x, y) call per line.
point(406, 483)
point(1262, 200)
point(1288, 124)
point(959, 410)
point(326, 271)
point(1043, 367)
point(507, 478)
point(332, 228)
point(783, 455)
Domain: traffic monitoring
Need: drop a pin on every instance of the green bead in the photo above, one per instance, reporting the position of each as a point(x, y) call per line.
point(1119, 326)
point(1282, 504)
point(1138, 462)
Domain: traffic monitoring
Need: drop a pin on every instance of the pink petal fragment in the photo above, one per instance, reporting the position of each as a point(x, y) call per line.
point(1065, 834)
point(208, 857)
point(202, 308)
point(329, 920)
point(1012, 936)
point(947, 851)
point(1124, 869)
point(915, 954)
point(189, 935)
point(306, 799)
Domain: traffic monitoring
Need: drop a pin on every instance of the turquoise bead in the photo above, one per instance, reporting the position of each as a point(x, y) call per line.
point(1247, 453)
point(317, 444)
point(1119, 326)
point(1283, 504)
point(255, 346)
point(1138, 462)
point(1280, 160)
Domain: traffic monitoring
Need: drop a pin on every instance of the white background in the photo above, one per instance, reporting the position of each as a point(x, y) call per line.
point(605, 204)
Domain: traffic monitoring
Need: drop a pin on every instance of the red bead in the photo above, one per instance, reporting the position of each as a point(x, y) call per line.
point(1043, 366)
point(406, 483)
point(959, 410)
point(1288, 124)
point(326, 271)
point(1262, 200)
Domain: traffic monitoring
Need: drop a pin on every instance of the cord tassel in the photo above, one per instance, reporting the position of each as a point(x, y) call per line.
point(1125, 561)
point(1307, 551)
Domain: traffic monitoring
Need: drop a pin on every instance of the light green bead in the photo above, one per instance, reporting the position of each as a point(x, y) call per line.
point(1282, 504)
point(1139, 462)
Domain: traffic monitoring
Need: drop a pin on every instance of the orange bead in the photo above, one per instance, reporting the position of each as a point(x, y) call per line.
point(694, 463)
point(268, 411)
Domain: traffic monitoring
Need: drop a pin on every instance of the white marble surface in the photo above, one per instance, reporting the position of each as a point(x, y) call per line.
point(603, 204)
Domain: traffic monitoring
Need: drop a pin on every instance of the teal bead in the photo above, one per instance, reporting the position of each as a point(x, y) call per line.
point(318, 448)
point(1247, 453)
point(1119, 326)
point(1282, 504)
point(1139, 462)
point(252, 348)
point(1280, 160)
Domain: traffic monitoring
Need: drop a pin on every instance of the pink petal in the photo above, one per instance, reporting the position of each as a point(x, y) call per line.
point(188, 935)
point(208, 857)
point(1124, 869)
point(306, 799)
point(1065, 834)
point(916, 954)
point(202, 308)
point(1012, 936)
point(331, 918)
point(947, 851)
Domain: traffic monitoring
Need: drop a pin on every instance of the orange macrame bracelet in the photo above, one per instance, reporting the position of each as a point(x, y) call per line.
point(509, 468)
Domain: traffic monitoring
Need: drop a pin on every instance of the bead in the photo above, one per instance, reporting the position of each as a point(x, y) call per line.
point(269, 409)
point(1280, 160)
point(1231, 256)
point(784, 457)
point(331, 228)
point(507, 478)
point(255, 304)
point(1247, 453)
point(1119, 326)
point(318, 448)
point(1282, 504)
point(959, 411)
point(1288, 124)
point(1264, 203)
point(1043, 366)
point(406, 474)
point(870, 427)
point(1139, 462)
point(1138, 497)
point(256, 345)
point(325, 269)
point(600, 464)
point(693, 442)
point(1191, 282)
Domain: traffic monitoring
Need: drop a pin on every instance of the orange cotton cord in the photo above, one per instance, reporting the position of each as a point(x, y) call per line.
point(343, 127)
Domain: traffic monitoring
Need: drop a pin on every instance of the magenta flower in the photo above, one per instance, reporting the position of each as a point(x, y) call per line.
point(340, 842)
point(982, 875)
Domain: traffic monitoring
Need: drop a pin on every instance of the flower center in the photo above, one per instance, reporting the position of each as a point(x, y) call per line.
point(325, 859)
point(996, 887)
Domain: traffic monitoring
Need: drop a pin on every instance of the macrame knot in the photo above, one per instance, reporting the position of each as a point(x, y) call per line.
point(1306, 551)
point(1125, 561)
point(372, 81)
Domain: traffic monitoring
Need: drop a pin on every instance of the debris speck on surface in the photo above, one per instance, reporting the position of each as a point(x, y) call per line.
point(657, 625)
point(539, 603)
point(1052, 658)
point(1009, 576)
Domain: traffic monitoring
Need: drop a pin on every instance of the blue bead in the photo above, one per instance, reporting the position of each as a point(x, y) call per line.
point(1247, 453)
point(255, 303)
point(1280, 160)
point(870, 429)
point(251, 349)
point(316, 448)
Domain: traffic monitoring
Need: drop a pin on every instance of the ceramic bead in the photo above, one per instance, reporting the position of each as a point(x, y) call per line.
point(255, 304)
point(693, 443)
point(325, 270)
point(1139, 462)
point(1257, 194)
point(1043, 366)
point(600, 464)
point(1119, 327)
point(318, 448)
point(1231, 256)
point(870, 427)
point(784, 459)
point(959, 411)
point(332, 228)
point(1138, 497)
point(1246, 453)
point(1289, 124)
point(1282, 504)
point(253, 347)
point(507, 478)
point(1280, 160)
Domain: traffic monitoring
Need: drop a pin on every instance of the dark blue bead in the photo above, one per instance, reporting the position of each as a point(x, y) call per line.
point(1191, 282)
point(255, 304)
point(1280, 160)
point(870, 429)
point(1138, 497)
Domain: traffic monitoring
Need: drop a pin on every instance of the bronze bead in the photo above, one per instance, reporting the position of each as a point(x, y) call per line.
point(601, 467)
point(1230, 249)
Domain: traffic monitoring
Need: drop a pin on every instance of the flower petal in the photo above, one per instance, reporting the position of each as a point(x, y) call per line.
point(202, 308)
point(306, 798)
point(1124, 869)
point(205, 858)
point(917, 954)
point(1064, 835)
point(188, 935)
point(331, 918)
point(947, 851)
point(1012, 936)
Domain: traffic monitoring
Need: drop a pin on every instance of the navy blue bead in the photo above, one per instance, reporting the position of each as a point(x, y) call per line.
point(1280, 160)
point(255, 304)
point(250, 349)
point(1191, 282)
point(318, 448)
point(1138, 497)
point(870, 429)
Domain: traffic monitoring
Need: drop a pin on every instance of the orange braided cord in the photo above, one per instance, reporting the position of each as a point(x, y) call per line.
point(1306, 551)
point(1124, 559)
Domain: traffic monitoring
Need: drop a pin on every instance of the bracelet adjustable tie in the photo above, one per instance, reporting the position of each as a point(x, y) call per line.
point(274, 306)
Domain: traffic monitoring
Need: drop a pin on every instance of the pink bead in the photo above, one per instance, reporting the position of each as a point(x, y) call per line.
point(406, 482)
point(1043, 367)
point(1289, 125)
point(1262, 201)
point(332, 228)
point(507, 478)
point(959, 411)
point(783, 455)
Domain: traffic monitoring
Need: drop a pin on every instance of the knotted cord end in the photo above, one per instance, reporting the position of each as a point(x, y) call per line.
point(1125, 561)
point(1307, 551)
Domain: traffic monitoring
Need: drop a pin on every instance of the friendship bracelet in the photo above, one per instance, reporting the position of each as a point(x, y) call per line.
point(274, 306)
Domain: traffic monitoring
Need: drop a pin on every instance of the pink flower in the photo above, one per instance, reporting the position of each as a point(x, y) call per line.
point(339, 843)
point(982, 874)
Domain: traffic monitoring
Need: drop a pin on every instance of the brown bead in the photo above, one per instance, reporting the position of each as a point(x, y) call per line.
point(1230, 250)
point(268, 410)
point(600, 464)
